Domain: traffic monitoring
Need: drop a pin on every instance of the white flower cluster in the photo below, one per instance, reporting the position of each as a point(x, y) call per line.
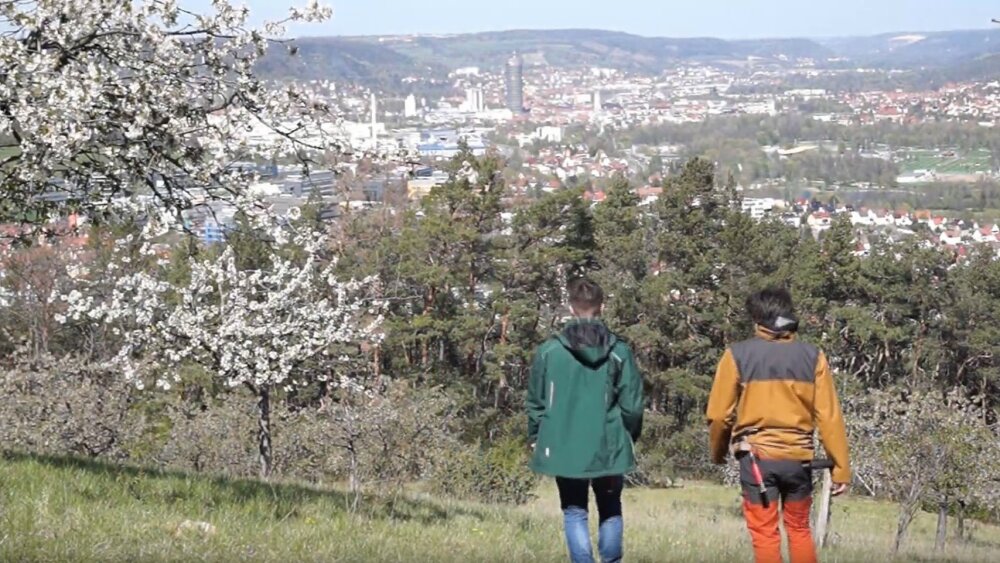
point(102, 98)
point(253, 328)
point(6, 295)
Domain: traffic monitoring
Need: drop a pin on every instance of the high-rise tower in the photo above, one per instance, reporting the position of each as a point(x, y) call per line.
point(515, 84)
point(374, 117)
point(474, 100)
point(410, 106)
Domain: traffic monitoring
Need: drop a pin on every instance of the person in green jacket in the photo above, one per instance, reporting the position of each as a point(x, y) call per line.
point(585, 409)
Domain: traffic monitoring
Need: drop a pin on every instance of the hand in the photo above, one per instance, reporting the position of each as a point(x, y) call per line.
point(838, 489)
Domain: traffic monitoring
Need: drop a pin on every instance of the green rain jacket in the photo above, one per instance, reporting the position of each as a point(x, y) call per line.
point(584, 404)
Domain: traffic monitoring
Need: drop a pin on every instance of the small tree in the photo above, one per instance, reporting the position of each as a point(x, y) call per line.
point(392, 437)
point(925, 446)
point(269, 329)
point(27, 278)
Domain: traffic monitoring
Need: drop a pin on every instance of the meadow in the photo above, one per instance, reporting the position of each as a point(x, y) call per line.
point(65, 509)
point(945, 162)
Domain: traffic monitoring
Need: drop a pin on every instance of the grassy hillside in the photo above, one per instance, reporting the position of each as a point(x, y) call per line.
point(67, 510)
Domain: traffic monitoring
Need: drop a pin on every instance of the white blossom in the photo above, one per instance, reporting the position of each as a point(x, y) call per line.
point(103, 98)
point(6, 295)
point(250, 328)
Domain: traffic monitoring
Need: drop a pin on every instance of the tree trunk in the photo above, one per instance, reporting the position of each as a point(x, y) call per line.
point(354, 480)
point(264, 430)
point(354, 477)
point(504, 326)
point(900, 533)
point(907, 510)
point(824, 510)
point(985, 393)
point(942, 525)
point(960, 524)
point(429, 300)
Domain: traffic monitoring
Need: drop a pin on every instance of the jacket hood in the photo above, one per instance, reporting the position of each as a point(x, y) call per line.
point(589, 341)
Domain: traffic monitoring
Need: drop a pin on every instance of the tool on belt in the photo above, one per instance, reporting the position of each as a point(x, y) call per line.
point(818, 464)
point(741, 446)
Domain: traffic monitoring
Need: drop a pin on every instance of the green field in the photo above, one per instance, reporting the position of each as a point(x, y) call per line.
point(56, 509)
point(7, 152)
point(945, 162)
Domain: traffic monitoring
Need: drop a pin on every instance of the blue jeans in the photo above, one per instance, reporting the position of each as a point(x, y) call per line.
point(573, 498)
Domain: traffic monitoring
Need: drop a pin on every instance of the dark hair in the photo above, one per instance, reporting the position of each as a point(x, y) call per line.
point(585, 296)
point(767, 305)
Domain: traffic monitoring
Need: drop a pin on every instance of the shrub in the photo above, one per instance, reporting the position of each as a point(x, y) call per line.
point(666, 453)
point(497, 473)
point(58, 407)
point(385, 439)
point(62, 407)
point(218, 437)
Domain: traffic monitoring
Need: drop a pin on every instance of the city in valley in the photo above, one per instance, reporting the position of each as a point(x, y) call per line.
point(903, 153)
point(803, 133)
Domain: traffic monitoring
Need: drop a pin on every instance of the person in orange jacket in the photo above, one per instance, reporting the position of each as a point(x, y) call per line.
point(771, 393)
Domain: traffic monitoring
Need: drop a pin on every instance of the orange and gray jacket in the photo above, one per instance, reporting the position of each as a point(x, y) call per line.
point(777, 392)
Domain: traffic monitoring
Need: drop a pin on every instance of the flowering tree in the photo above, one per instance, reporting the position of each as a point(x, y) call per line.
point(256, 329)
point(102, 98)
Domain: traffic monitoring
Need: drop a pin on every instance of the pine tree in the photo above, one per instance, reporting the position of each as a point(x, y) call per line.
point(549, 242)
point(622, 252)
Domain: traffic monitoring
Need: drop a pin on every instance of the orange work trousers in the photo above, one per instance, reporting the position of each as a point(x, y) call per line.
point(787, 483)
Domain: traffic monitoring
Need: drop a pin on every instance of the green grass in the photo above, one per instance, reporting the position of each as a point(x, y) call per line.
point(969, 163)
point(56, 509)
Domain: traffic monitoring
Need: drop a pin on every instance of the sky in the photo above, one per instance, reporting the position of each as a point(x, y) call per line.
point(727, 19)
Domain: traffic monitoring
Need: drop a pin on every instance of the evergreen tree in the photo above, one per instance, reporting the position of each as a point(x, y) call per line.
point(622, 252)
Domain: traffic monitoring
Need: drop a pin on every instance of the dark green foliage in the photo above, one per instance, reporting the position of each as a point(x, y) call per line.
point(667, 455)
point(249, 243)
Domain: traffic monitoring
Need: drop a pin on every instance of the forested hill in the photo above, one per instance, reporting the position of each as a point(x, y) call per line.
point(914, 50)
point(390, 58)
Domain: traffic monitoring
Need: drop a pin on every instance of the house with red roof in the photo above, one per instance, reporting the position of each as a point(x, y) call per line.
point(648, 194)
point(890, 113)
point(819, 221)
